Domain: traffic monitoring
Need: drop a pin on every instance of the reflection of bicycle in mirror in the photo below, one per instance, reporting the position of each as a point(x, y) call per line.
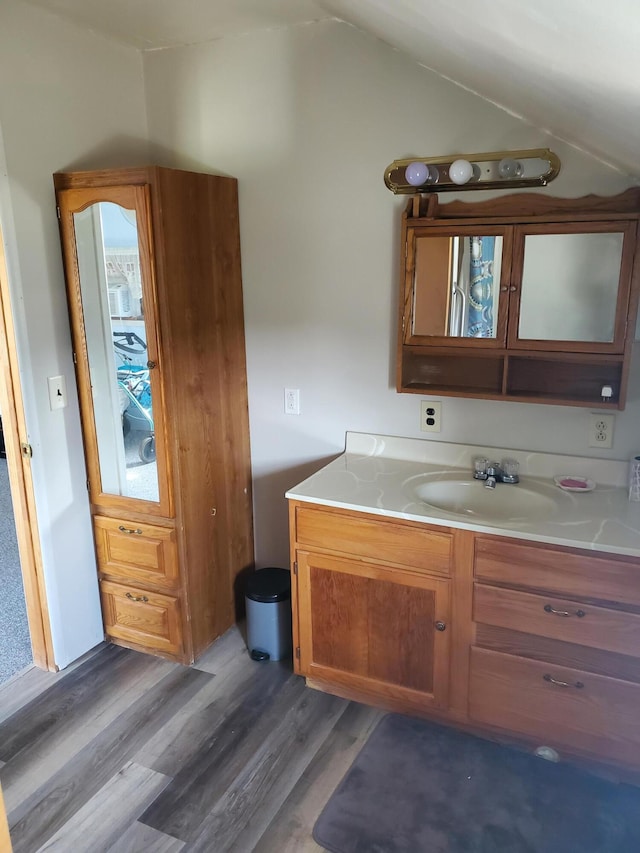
point(134, 386)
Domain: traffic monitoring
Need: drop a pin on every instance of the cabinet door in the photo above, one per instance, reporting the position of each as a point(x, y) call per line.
point(107, 245)
point(571, 285)
point(374, 629)
point(457, 286)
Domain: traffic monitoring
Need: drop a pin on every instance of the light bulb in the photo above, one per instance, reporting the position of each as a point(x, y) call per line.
point(460, 171)
point(416, 174)
point(509, 168)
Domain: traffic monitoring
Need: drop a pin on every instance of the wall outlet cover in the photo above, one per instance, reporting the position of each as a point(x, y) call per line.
point(601, 430)
point(430, 415)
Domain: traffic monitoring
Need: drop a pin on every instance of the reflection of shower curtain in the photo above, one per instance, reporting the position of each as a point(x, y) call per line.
point(480, 317)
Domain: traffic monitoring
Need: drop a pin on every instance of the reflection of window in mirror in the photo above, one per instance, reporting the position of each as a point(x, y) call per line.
point(570, 286)
point(116, 340)
point(456, 286)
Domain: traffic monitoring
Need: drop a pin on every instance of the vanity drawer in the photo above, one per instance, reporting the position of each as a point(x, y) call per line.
point(143, 553)
point(377, 539)
point(564, 571)
point(557, 618)
point(592, 713)
point(148, 619)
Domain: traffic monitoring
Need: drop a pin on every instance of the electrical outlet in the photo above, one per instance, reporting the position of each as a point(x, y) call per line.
point(292, 401)
point(601, 430)
point(430, 415)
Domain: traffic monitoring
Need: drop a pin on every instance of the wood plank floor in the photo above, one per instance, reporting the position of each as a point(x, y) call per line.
point(127, 753)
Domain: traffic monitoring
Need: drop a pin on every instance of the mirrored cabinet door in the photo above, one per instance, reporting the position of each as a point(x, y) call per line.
point(106, 235)
point(572, 286)
point(457, 287)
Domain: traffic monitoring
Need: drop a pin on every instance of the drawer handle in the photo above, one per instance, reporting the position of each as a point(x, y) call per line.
point(140, 598)
point(549, 609)
point(578, 684)
point(441, 626)
point(124, 529)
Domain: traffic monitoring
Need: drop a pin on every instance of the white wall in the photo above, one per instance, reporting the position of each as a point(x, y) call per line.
point(68, 100)
point(308, 118)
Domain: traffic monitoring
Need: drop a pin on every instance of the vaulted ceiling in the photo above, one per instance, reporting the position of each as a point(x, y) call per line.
point(571, 67)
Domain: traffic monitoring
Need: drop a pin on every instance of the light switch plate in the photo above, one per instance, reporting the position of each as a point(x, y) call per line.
point(57, 392)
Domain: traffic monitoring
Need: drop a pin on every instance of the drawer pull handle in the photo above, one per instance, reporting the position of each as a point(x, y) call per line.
point(124, 529)
point(441, 626)
point(140, 598)
point(549, 609)
point(578, 684)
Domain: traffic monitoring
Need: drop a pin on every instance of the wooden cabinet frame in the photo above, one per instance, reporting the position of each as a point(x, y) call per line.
point(508, 367)
point(173, 588)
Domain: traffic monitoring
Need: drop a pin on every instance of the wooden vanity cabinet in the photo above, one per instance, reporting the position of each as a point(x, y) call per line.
point(372, 606)
point(541, 644)
point(524, 297)
point(152, 267)
point(556, 655)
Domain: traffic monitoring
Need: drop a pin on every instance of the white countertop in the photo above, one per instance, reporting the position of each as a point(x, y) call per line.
point(376, 474)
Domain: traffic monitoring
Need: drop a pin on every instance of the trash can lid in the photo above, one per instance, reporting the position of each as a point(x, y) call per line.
point(268, 585)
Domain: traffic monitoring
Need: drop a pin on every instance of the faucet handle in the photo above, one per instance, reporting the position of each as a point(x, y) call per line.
point(510, 469)
point(480, 467)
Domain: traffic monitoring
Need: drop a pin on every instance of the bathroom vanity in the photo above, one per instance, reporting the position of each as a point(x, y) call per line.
point(511, 625)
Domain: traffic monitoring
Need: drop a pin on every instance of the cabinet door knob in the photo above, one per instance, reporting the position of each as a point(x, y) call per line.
point(129, 530)
point(441, 626)
point(549, 609)
point(136, 597)
point(151, 364)
point(513, 288)
point(504, 289)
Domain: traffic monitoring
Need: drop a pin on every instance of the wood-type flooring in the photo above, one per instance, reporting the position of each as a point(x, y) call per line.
point(127, 753)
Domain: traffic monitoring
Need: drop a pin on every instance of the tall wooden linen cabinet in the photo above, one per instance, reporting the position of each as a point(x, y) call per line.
point(152, 266)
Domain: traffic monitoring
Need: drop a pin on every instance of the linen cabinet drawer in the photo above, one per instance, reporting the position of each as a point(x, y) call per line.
point(566, 572)
point(148, 619)
point(143, 553)
point(386, 541)
point(556, 705)
point(558, 619)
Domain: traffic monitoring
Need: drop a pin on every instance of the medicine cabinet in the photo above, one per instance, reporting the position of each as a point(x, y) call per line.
point(526, 297)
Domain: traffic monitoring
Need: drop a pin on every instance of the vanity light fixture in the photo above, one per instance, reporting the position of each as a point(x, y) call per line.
point(534, 167)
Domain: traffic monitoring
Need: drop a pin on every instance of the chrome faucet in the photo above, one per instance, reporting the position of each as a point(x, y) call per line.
point(496, 472)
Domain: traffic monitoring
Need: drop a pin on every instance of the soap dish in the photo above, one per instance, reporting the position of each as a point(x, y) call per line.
point(574, 483)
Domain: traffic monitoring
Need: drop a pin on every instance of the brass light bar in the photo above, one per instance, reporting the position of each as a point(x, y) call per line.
point(534, 167)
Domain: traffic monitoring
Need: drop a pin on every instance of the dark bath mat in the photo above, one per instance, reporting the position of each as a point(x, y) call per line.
point(417, 787)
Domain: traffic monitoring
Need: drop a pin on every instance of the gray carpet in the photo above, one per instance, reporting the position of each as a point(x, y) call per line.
point(15, 645)
point(416, 787)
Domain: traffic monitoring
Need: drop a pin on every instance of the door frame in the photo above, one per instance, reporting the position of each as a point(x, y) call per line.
point(22, 494)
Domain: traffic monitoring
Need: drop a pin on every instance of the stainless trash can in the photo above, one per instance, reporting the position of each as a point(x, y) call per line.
point(268, 601)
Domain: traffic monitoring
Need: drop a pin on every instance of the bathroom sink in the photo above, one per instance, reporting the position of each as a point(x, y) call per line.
point(467, 498)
